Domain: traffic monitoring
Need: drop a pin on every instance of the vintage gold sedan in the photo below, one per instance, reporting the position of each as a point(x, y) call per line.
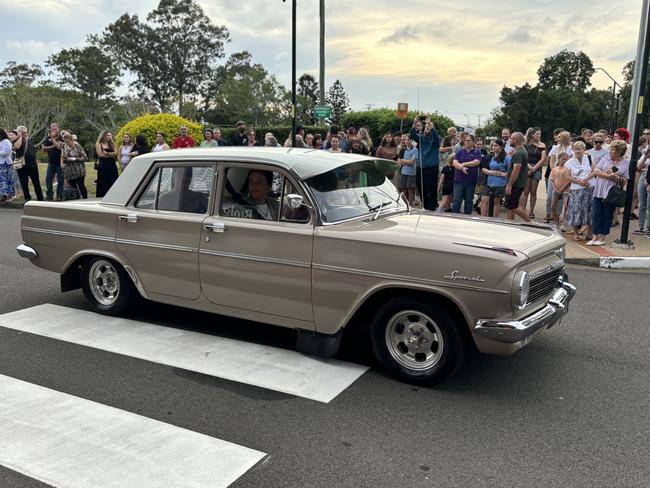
point(311, 240)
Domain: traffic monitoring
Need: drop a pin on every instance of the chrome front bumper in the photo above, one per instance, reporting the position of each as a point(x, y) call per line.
point(26, 252)
point(514, 331)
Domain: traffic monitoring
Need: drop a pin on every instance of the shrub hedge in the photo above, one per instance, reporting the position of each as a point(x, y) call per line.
point(383, 120)
point(169, 124)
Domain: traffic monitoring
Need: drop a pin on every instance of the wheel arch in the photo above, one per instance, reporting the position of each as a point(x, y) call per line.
point(71, 276)
point(362, 317)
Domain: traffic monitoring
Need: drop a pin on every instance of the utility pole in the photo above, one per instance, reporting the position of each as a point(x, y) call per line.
point(293, 73)
point(636, 88)
point(636, 104)
point(321, 78)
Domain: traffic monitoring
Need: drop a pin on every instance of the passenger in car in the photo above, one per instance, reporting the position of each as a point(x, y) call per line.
point(257, 204)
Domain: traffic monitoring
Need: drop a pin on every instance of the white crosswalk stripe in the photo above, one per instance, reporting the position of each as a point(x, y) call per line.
point(69, 442)
point(282, 370)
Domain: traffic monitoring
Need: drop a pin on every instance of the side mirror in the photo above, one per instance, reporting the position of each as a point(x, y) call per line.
point(294, 200)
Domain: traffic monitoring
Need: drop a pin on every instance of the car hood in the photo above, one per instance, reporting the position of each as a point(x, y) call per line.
point(437, 231)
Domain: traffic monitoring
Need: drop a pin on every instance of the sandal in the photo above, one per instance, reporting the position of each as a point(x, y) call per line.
point(577, 238)
point(531, 215)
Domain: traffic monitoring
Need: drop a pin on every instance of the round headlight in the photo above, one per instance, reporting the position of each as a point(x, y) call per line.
point(522, 289)
point(561, 253)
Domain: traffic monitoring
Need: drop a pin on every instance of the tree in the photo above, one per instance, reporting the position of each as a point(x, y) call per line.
point(244, 90)
point(88, 70)
point(529, 106)
point(19, 74)
point(566, 70)
point(172, 54)
point(338, 100)
point(33, 107)
point(307, 93)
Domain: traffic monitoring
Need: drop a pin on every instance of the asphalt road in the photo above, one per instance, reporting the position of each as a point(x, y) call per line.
point(570, 409)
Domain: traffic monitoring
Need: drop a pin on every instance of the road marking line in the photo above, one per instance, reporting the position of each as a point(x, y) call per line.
point(70, 442)
point(268, 367)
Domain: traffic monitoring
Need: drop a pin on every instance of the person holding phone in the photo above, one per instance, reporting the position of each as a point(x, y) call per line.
point(428, 163)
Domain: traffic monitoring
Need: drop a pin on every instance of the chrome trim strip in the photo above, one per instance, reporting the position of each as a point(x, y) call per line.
point(27, 252)
point(512, 331)
point(408, 279)
point(68, 234)
point(136, 280)
point(247, 257)
point(501, 249)
point(156, 245)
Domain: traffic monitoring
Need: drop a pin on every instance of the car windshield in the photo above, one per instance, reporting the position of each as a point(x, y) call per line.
point(353, 190)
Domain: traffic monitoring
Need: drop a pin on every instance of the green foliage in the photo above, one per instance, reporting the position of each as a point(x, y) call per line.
point(88, 70)
point(383, 120)
point(573, 110)
point(338, 101)
point(243, 90)
point(307, 98)
point(169, 124)
point(19, 74)
point(172, 55)
point(560, 99)
point(566, 70)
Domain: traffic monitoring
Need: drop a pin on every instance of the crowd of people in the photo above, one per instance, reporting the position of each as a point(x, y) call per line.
point(455, 173)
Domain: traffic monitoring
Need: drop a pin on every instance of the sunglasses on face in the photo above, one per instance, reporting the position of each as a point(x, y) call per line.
point(598, 142)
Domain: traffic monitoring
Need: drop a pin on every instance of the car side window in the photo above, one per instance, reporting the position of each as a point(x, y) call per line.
point(252, 193)
point(179, 189)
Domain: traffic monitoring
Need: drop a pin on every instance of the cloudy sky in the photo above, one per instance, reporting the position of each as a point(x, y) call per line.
point(457, 58)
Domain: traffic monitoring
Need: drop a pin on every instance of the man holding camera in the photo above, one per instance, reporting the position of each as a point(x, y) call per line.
point(428, 144)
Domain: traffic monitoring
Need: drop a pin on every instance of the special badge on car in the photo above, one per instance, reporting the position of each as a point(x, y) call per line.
point(456, 275)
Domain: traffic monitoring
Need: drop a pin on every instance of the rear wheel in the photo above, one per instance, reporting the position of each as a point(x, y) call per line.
point(107, 286)
point(416, 342)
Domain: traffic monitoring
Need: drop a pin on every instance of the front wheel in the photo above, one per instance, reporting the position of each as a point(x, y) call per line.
point(107, 286)
point(416, 342)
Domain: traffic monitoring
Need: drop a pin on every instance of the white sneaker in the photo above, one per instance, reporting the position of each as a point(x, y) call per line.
point(599, 243)
point(591, 243)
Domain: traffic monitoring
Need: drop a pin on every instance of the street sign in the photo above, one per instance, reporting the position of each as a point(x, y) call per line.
point(402, 110)
point(322, 112)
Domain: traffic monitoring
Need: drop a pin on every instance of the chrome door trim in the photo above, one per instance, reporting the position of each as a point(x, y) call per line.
point(156, 245)
point(68, 234)
point(261, 259)
point(406, 279)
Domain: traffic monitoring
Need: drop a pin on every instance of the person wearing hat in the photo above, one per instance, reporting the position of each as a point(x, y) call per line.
point(240, 138)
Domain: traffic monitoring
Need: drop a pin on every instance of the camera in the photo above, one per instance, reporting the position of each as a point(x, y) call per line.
point(422, 118)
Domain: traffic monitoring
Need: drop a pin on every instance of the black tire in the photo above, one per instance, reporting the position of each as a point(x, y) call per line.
point(431, 348)
point(119, 294)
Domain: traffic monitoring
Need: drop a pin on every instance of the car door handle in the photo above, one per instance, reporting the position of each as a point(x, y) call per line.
point(129, 217)
point(216, 227)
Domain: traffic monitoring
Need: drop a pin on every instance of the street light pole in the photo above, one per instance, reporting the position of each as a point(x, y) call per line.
point(637, 126)
point(614, 111)
point(321, 78)
point(293, 73)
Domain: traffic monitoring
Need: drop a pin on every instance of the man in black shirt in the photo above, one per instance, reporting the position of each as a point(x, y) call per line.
point(24, 148)
point(52, 146)
point(240, 137)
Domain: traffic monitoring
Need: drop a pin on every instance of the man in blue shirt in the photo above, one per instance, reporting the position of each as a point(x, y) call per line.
point(428, 142)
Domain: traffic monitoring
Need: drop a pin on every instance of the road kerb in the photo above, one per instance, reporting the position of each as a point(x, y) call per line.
point(625, 262)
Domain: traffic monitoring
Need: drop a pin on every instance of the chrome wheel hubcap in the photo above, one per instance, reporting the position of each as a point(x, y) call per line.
point(104, 282)
point(414, 340)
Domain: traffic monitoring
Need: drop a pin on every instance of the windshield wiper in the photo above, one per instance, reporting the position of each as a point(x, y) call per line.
point(378, 208)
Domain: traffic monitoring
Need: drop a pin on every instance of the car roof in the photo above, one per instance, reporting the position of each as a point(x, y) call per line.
point(304, 163)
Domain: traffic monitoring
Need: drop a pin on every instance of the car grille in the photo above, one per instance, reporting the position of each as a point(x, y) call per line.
point(543, 285)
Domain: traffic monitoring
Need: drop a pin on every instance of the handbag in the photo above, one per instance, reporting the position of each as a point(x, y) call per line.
point(616, 196)
point(19, 163)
